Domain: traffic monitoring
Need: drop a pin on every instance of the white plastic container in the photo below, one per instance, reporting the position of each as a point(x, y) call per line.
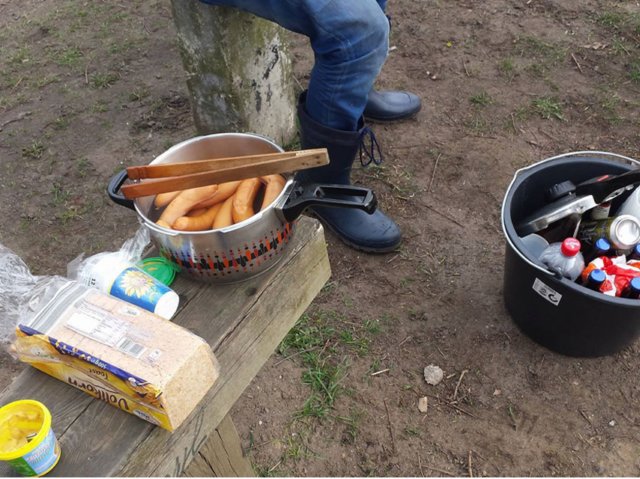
point(535, 244)
point(631, 205)
point(112, 274)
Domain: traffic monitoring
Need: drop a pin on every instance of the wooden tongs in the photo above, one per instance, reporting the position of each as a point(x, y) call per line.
point(166, 177)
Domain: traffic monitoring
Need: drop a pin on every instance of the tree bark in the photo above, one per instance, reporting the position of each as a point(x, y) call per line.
point(239, 72)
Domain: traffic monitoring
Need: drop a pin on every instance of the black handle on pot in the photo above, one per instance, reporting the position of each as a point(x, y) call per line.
point(338, 196)
point(113, 190)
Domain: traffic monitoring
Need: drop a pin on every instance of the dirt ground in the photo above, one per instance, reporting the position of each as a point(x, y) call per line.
point(87, 88)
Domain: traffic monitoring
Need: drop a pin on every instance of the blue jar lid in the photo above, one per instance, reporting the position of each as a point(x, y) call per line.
point(598, 276)
point(602, 244)
point(634, 284)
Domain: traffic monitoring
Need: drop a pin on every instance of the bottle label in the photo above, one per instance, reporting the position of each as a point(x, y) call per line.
point(139, 288)
point(546, 292)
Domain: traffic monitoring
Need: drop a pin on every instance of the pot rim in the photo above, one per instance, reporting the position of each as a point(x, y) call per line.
point(278, 202)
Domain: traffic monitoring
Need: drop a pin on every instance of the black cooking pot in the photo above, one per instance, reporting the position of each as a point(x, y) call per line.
point(554, 311)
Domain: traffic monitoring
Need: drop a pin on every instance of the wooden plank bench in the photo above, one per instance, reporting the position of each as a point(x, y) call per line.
point(243, 323)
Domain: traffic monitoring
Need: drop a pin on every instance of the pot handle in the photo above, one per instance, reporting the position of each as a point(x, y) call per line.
point(113, 190)
point(339, 196)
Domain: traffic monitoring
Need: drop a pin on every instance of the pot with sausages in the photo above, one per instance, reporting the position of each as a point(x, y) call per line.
point(232, 231)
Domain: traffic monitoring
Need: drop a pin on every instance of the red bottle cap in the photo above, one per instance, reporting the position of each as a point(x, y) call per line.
point(570, 247)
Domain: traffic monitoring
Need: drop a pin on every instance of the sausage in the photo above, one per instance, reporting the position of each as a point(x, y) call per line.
point(199, 222)
point(224, 216)
point(243, 199)
point(195, 211)
point(164, 224)
point(274, 186)
point(163, 199)
point(186, 200)
point(222, 193)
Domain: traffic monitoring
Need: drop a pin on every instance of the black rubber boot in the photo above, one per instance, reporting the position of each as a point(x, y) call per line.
point(373, 233)
point(386, 106)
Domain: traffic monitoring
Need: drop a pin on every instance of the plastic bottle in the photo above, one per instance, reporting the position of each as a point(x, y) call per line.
point(635, 253)
point(631, 205)
point(632, 290)
point(564, 258)
point(595, 279)
point(602, 247)
point(115, 275)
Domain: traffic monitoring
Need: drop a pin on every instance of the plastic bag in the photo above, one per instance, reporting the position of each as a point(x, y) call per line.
point(21, 293)
point(131, 251)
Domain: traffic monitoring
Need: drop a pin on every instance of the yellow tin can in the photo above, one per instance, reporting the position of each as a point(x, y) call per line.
point(27, 441)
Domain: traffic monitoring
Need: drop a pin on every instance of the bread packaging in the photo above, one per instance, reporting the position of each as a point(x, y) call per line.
point(119, 353)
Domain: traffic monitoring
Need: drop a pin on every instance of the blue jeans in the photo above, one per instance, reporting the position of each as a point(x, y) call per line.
point(350, 41)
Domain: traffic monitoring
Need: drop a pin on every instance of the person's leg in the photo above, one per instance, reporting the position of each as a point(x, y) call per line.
point(350, 43)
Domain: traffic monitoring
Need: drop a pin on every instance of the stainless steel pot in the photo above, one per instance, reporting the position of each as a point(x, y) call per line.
point(245, 249)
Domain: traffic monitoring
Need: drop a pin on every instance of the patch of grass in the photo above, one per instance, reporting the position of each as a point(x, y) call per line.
point(477, 124)
point(352, 422)
point(69, 57)
point(82, 167)
point(305, 336)
point(19, 56)
point(33, 151)
point(325, 353)
point(609, 102)
point(542, 55)
point(46, 80)
point(60, 195)
point(103, 80)
point(481, 99)
point(533, 47)
point(507, 68)
point(295, 448)
point(634, 71)
point(118, 48)
point(139, 94)
point(360, 344)
point(61, 123)
point(372, 326)
point(619, 48)
point(324, 378)
point(70, 214)
point(100, 106)
point(266, 471)
point(610, 19)
point(547, 108)
point(412, 431)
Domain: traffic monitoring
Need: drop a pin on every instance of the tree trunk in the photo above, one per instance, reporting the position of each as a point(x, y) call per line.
point(238, 69)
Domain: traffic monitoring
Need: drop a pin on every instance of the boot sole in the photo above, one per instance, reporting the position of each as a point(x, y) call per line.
point(392, 120)
point(351, 244)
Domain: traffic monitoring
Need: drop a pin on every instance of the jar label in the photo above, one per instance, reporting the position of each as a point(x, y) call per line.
point(139, 288)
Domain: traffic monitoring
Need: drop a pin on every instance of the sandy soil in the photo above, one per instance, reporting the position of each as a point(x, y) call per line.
point(87, 88)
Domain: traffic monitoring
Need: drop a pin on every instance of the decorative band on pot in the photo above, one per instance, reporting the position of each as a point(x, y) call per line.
point(253, 255)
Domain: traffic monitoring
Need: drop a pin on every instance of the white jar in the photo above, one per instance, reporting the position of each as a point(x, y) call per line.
point(112, 274)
